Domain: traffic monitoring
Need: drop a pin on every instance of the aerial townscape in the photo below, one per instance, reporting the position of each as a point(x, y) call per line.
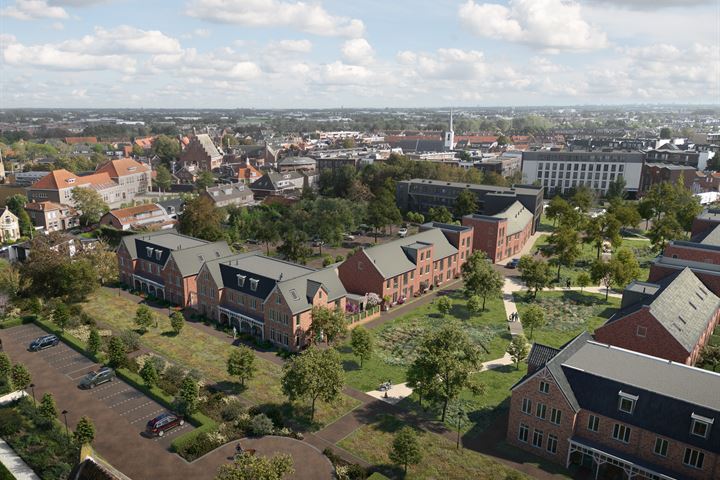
point(285, 240)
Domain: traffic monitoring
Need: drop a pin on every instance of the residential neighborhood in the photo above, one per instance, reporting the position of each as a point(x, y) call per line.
point(286, 240)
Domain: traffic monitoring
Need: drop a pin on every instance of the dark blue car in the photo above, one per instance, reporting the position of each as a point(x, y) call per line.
point(43, 342)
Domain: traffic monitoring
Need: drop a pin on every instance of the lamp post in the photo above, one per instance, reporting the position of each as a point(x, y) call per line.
point(67, 431)
point(32, 389)
point(460, 414)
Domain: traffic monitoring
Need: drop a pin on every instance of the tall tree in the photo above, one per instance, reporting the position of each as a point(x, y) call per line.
point(117, 352)
point(313, 375)
point(557, 208)
point(205, 180)
point(90, 204)
point(84, 431)
point(583, 198)
point(20, 377)
point(566, 246)
point(294, 247)
point(241, 364)
point(663, 230)
point(480, 277)
point(188, 395)
point(405, 448)
point(603, 228)
point(465, 204)
point(144, 318)
point(535, 274)
point(201, 219)
point(94, 342)
point(61, 316)
point(163, 178)
point(383, 211)
point(16, 204)
point(167, 148)
point(646, 210)
point(448, 355)
point(625, 267)
point(440, 214)
point(48, 409)
point(616, 189)
point(361, 341)
point(149, 374)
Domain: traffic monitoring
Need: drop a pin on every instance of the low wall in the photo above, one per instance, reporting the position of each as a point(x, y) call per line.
point(12, 397)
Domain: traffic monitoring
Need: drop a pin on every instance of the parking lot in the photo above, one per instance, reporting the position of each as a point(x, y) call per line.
point(118, 410)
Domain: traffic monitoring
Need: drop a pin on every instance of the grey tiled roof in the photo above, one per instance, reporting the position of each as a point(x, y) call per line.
point(168, 239)
point(306, 286)
point(208, 145)
point(712, 238)
point(291, 161)
point(517, 217)
point(190, 260)
point(540, 354)
point(391, 260)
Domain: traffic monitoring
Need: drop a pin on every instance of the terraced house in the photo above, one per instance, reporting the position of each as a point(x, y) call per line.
point(409, 266)
point(619, 413)
point(165, 264)
point(267, 297)
point(673, 318)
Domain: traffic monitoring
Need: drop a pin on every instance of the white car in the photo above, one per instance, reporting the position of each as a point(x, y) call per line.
point(349, 237)
point(403, 232)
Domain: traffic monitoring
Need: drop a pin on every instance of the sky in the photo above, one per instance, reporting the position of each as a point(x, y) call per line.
point(357, 53)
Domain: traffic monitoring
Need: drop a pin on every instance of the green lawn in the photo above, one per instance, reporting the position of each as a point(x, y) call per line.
point(195, 349)
point(396, 341)
point(641, 248)
point(567, 313)
point(440, 457)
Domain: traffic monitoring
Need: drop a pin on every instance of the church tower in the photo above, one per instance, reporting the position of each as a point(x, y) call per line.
point(450, 135)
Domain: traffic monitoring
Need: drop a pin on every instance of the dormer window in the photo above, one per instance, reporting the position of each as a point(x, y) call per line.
point(700, 425)
point(626, 402)
point(158, 254)
point(70, 180)
point(149, 251)
point(241, 280)
point(253, 284)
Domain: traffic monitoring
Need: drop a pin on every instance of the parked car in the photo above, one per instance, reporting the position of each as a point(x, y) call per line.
point(349, 237)
point(162, 423)
point(93, 379)
point(252, 241)
point(403, 232)
point(317, 242)
point(43, 342)
point(513, 263)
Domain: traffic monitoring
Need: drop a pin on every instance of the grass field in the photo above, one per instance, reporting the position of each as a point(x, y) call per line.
point(195, 349)
point(440, 457)
point(396, 341)
point(567, 313)
point(641, 248)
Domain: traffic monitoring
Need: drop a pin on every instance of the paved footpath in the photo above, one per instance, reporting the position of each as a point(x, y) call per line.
point(15, 464)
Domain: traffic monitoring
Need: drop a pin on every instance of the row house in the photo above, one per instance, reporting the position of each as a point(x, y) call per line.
point(619, 413)
point(266, 297)
point(165, 264)
point(231, 194)
point(201, 153)
point(672, 319)
point(408, 266)
point(502, 235)
point(51, 216)
point(282, 184)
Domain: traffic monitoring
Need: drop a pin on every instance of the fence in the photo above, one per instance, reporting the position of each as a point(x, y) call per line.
point(364, 315)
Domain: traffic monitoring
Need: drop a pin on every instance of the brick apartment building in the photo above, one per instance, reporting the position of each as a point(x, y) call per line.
point(407, 266)
point(620, 413)
point(51, 216)
point(420, 195)
point(201, 154)
point(706, 221)
point(165, 264)
point(267, 297)
point(672, 319)
point(117, 182)
point(502, 235)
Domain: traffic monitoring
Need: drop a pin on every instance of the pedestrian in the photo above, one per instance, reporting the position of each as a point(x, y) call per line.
point(567, 283)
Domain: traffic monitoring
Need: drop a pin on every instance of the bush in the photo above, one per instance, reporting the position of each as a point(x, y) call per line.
point(339, 258)
point(131, 340)
point(327, 260)
point(273, 412)
point(261, 425)
point(356, 472)
point(10, 422)
point(232, 410)
point(158, 362)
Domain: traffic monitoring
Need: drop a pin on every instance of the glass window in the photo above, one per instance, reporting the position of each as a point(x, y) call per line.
point(523, 433)
point(593, 423)
point(526, 406)
point(537, 440)
point(626, 402)
point(552, 444)
point(541, 410)
point(621, 433)
point(555, 416)
point(700, 426)
point(544, 387)
point(693, 458)
point(661, 447)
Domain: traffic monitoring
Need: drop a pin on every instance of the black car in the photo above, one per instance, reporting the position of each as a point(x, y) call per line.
point(93, 379)
point(513, 263)
point(43, 342)
point(162, 423)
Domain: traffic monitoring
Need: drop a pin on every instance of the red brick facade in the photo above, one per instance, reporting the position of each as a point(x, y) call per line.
point(490, 236)
point(686, 252)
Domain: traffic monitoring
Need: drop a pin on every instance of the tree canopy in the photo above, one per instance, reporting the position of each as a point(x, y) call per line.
point(314, 375)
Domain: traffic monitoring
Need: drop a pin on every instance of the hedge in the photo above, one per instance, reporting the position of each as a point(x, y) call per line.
point(73, 342)
point(17, 321)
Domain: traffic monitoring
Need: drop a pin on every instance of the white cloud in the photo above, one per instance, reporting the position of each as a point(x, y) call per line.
point(289, 46)
point(652, 4)
point(32, 10)
point(306, 17)
point(52, 58)
point(445, 63)
point(544, 65)
point(123, 39)
point(547, 24)
point(357, 51)
point(192, 63)
point(77, 3)
point(339, 73)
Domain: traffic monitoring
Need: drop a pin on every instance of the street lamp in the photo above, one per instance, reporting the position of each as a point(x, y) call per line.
point(460, 414)
point(67, 432)
point(32, 388)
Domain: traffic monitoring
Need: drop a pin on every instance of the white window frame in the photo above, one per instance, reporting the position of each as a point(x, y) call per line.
point(626, 396)
point(664, 444)
point(528, 402)
point(593, 421)
point(621, 433)
point(699, 458)
point(699, 419)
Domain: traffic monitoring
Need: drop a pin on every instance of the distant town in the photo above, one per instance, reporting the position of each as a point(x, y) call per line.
point(500, 293)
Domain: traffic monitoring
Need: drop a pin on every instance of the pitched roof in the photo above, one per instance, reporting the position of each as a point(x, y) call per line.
point(130, 215)
point(228, 192)
point(190, 260)
point(540, 354)
point(122, 167)
point(299, 292)
point(682, 304)
point(248, 172)
point(168, 239)
point(712, 238)
point(74, 140)
point(59, 179)
point(208, 145)
point(517, 216)
point(43, 206)
point(274, 180)
point(391, 259)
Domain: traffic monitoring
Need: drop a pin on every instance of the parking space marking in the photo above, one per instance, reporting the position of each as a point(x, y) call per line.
point(115, 393)
point(105, 387)
point(83, 369)
point(70, 364)
point(137, 408)
point(150, 415)
point(59, 356)
point(134, 396)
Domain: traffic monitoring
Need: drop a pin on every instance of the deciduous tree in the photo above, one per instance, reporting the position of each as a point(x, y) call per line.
point(94, 342)
point(188, 396)
point(440, 215)
point(480, 277)
point(518, 349)
point(117, 355)
point(144, 318)
point(90, 204)
point(149, 374)
point(405, 449)
point(327, 322)
point(534, 273)
point(241, 364)
point(444, 305)
point(361, 341)
point(314, 375)
point(566, 246)
point(177, 322)
point(201, 219)
point(583, 280)
point(163, 178)
point(533, 317)
point(465, 204)
point(61, 316)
